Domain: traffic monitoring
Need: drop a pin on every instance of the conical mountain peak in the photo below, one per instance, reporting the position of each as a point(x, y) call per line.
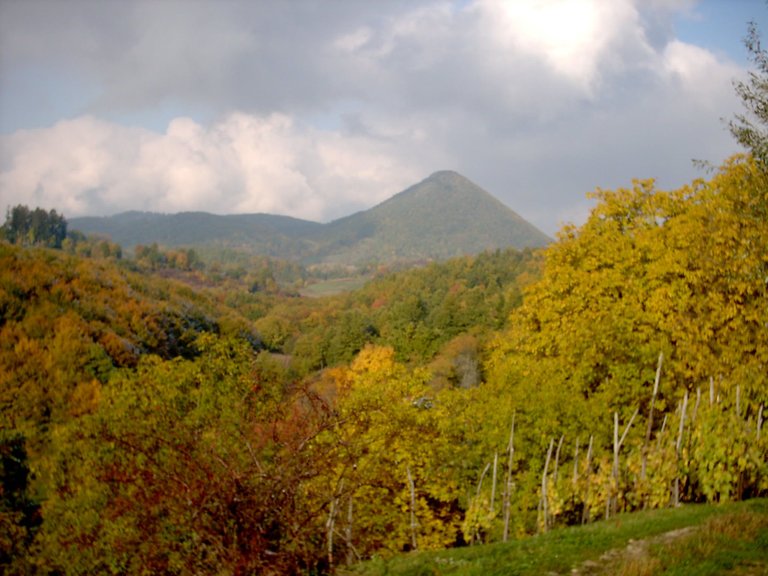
point(443, 216)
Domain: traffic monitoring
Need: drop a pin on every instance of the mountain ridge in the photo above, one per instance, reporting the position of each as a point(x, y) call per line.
point(443, 216)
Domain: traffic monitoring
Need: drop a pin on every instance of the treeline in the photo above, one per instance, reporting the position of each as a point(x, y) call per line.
point(417, 312)
point(163, 420)
point(81, 328)
point(34, 227)
point(149, 426)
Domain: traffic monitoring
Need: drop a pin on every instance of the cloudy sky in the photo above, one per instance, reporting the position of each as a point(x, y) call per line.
point(319, 108)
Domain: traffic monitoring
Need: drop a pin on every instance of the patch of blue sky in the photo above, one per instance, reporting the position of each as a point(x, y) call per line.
point(157, 117)
point(38, 96)
point(721, 26)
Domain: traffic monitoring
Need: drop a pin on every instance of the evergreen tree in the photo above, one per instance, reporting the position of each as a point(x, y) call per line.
point(34, 227)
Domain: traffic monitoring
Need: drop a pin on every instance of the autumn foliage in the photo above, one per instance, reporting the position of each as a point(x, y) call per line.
point(184, 422)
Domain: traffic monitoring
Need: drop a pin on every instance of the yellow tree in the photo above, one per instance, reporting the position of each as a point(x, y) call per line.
point(389, 489)
point(682, 272)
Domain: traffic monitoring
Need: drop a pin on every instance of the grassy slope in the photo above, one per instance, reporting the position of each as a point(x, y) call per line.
point(731, 538)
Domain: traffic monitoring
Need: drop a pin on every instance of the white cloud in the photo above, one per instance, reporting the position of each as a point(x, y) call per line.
point(317, 112)
point(570, 36)
point(244, 163)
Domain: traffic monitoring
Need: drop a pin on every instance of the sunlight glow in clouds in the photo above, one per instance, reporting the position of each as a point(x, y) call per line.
point(538, 101)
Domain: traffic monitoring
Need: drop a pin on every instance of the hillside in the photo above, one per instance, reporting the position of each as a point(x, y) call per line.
point(223, 425)
point(696, 539)
point(265, 234)
point(443, 216)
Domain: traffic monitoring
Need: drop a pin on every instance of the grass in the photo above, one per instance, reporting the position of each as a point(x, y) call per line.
point(727, 539)
point(731, 543)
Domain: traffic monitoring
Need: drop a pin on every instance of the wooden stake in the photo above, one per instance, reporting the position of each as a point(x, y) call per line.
point(678, 444)
point(493, 488)
point(348, 532)
point(482, 476)
point(413, 508)
point(544, 503)
point(585, 512)
point(661, 432)
point(508, 485)
point(557, 456)
point(616, 447)
point(649, 428)
point(682, 423)
point(575, 464)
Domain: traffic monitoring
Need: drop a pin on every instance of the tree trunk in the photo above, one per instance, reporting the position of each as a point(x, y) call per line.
point(348, 532)
point(330, 525)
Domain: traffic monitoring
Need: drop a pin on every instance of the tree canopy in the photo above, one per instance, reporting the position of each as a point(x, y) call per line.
point(34, 227)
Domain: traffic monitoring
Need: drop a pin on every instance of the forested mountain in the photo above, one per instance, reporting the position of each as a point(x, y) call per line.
point(270, 235)
point(443, 216)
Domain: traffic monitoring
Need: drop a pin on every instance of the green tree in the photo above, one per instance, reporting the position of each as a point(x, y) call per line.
point(751, 128)
point(34, 227)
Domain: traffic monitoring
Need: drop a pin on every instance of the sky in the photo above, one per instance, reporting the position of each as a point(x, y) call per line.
point(319, 108)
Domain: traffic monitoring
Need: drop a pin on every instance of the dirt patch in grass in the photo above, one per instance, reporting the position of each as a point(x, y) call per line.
point(634, 559)
point(735, 544)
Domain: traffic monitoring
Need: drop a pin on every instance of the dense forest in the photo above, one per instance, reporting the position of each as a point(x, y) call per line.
point(166, 413)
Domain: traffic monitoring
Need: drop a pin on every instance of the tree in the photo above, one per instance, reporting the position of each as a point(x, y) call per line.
point(751, 128)
point(187, 467)
point(34, 227)
point(19, 515)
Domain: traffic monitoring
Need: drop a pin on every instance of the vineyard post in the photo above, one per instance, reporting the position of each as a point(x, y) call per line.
point(613, 501)
point(508, 485)
point(649, 428)
point(678, 444)
point(413, 508)
point(544, 503)
point(493, 487)
point(585, 511)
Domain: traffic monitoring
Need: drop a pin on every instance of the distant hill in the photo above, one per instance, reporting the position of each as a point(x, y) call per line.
point(271, 235)
point(443, 216)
